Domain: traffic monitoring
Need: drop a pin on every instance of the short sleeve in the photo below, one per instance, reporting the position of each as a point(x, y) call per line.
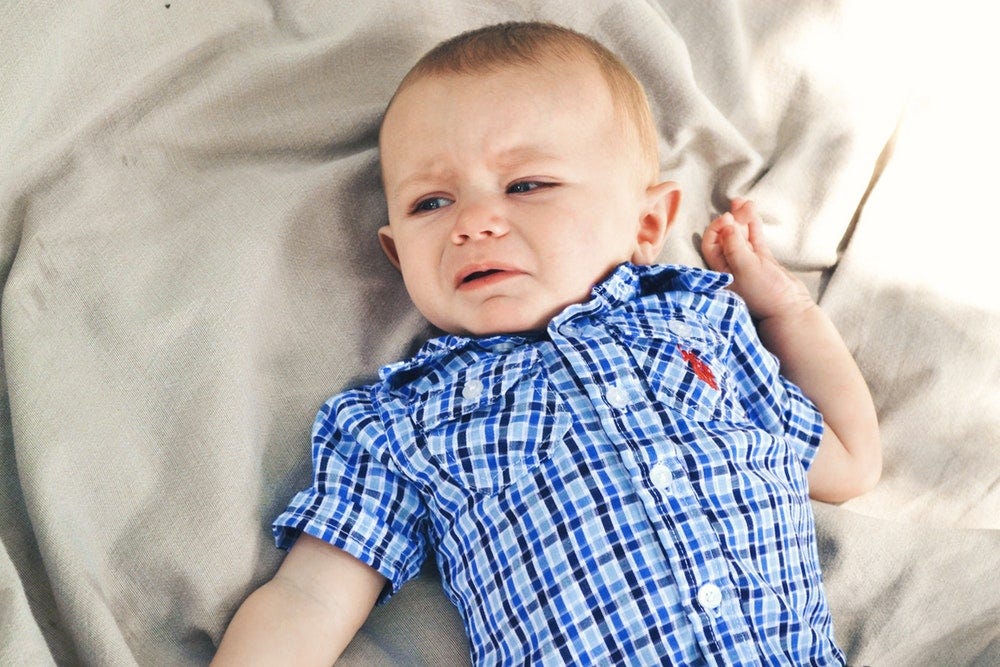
point(770, 400)
point(358, 502)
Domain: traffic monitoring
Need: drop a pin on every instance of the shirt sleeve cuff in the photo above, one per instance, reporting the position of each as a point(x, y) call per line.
point(803, 424)
point(342, 524)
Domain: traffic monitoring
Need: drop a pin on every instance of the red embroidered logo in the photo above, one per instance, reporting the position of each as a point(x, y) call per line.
point(699, 367)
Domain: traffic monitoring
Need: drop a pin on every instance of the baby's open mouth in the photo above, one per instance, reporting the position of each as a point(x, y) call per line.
point(475, 277)
point(472, 277)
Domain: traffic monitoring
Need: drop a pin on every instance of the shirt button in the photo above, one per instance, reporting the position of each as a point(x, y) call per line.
point(616, 396)
point(472, 390)
point(681, 329)
point(571, 329)
point(710, 596)
point(661, 476)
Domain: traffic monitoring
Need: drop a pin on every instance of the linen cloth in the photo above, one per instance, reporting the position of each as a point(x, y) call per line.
point(189, 200)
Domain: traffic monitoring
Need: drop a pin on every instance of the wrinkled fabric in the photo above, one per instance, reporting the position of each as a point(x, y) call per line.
point(189, 200)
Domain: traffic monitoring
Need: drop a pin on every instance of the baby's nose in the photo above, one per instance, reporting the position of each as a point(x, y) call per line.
point(479, 220)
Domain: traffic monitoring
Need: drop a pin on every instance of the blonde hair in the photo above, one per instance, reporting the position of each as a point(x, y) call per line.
point(495, 47)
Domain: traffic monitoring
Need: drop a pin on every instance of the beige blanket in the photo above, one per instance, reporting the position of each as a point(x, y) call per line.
point(188, 205)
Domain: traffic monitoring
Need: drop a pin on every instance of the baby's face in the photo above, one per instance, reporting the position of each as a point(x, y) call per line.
point(510, 194)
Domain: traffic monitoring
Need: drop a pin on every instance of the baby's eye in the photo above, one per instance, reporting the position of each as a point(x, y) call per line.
point(431, 204)
point(520, 187)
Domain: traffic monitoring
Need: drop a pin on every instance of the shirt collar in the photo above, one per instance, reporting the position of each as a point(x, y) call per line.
point(626, 283)
point(629, 282)
point(446, 345)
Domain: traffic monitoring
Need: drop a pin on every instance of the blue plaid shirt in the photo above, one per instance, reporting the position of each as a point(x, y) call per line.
point(626, 487)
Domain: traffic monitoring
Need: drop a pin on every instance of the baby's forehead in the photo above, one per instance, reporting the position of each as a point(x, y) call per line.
point(583, 67)
point(537, 89)
point(580, 64)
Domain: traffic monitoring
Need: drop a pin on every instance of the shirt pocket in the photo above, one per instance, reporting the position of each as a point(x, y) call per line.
point(684, 363)
point(492, 425)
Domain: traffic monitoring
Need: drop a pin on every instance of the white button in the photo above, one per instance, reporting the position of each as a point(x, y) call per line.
point(682, 329)
point(660, 476)
point(710, 596)
point(472, 390)
point(616, 396)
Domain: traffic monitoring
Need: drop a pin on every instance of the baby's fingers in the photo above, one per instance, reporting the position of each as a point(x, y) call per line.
point(736, 245)
point(744, 211)
point(712, 246)
point(755, 234)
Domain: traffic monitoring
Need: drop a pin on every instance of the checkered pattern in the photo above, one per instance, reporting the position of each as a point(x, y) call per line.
point(590, 497)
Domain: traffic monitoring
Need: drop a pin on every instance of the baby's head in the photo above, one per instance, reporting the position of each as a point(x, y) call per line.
point(520, 167)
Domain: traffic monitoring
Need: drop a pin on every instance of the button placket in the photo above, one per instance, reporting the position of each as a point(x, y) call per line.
point(624, 406)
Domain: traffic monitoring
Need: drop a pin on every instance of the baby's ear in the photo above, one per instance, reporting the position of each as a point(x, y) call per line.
point(662, 201)
point(388, 245)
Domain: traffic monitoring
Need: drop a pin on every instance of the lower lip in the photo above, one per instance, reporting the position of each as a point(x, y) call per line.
point(487, 281)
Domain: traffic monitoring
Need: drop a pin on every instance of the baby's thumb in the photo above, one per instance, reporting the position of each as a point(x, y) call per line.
point(736, 248)
point(711, 248)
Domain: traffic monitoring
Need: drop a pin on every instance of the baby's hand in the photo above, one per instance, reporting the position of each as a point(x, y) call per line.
point(734, 243)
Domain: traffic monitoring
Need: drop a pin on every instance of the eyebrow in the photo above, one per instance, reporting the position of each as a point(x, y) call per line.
point(526, 153)
point(505, 158)
point(428, 174)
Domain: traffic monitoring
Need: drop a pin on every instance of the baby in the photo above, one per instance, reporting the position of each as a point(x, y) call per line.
point(599, 452)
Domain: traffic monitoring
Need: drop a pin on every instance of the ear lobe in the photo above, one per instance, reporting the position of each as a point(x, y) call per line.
point(663, 200)
point(388, 245)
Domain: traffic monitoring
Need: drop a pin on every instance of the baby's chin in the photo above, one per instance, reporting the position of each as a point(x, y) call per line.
point(508, 329)
point(528, 312)
point(496, 324)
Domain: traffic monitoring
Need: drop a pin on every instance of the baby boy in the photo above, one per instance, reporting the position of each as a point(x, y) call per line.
point(599, 452)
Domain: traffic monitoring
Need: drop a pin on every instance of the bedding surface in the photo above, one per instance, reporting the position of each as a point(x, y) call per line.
point(189, 199)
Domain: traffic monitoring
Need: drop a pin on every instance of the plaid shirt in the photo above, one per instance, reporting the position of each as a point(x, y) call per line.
point(627, 487)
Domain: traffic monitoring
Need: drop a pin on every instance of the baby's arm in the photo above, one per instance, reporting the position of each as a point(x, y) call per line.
point(811, 352)
point(307, 613)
